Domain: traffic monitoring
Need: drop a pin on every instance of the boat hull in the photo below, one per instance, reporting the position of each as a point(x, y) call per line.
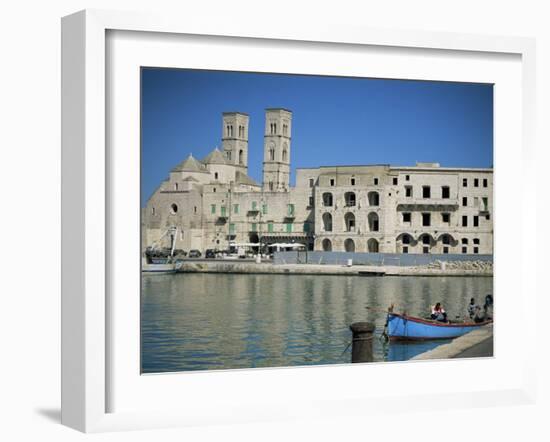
point(169, 267)
point(403, 327)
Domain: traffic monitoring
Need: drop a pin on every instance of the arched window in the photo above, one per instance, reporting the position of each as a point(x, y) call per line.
point(374, 199)
point(327, 199)
point(372, 246)
point(425, 239)
point(272, 153)
point(349, 245)
point(349, 222)
point(173, 209)
point(285, 154)
point(241, 157)
point(373, 222)
point(176, 186)
point(215, 175)
point(228, 153)
point(327, 245)
point(349, 198)
point(327, 222)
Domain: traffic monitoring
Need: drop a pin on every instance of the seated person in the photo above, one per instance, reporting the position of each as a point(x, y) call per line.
point(438, 313)
point(479, 315)
point(472, 306)
point(488, 307)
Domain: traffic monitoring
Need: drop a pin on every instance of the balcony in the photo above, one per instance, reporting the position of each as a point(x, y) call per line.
point(412, 204)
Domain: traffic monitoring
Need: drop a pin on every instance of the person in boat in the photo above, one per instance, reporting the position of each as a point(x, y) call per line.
point(472, 306)
point(488, 307)
point(438, 313)
point(479, 315)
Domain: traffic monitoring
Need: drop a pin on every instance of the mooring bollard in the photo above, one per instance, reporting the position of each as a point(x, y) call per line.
point(361, 344)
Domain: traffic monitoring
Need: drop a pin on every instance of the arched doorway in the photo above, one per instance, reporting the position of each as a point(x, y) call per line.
point(373, 222)
point(349, 199)
point(327, 222)
point(349, 222)
point(372, 246)
point(327, 245)
point(374, 199)
point(349, 245)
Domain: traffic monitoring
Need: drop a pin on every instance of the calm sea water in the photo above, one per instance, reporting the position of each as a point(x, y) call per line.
point(223, 321)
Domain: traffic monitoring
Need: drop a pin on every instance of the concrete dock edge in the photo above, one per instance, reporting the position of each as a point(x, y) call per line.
point(476, 344)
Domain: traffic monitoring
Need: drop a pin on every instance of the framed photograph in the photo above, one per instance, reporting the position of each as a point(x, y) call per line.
point(268, 223)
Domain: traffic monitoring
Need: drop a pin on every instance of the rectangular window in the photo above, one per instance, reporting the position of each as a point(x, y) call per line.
point(445, 192)
point(254, 204)
point(487, 217)
point(288, 227)
point(446, 218)
point(231, 229)
point(264, 209)
point(426, 219)
point(311, 181)
point(476, 221)
point(332, 182)
point(395, 181)
point(445, 250)
point(464, 182)
point(476, 201)
point(408, 191)
point(311, 201)
point(306, 227)
point(464, 201)
point(406, 217)
point(485, 182)
point(407, 178)
point(426, 192)
point(270, 227)
point(464, 249)
point(476, 182)
point(235, 208)
point(464, 240)
point(195, 209)
point(222, 209)
point(405, 249)
point(213, 208)
point(291, 209)
point(485, 203)
point(254, 227)
point(376, 181)
point(464, 221)
point(425, 250)
point(476, 249)
point(353, 181)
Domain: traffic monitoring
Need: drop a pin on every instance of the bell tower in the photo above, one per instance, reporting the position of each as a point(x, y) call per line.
point(235, 139)
point(277, 136)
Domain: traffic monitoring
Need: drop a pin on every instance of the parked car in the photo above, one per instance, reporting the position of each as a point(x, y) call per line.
point(209, 254)
point(194, 253)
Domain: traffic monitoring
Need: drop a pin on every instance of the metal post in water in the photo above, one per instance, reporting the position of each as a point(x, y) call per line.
point(361, 344)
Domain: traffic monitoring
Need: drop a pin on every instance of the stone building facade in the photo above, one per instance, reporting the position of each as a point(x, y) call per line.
point(373, 208)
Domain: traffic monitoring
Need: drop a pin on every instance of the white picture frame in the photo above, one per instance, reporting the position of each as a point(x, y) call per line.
point(86, 205)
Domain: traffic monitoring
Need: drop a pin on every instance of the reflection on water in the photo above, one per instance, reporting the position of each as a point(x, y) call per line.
point(221, 321)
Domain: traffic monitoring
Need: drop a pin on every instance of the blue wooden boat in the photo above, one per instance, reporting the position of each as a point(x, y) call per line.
point(404, 327)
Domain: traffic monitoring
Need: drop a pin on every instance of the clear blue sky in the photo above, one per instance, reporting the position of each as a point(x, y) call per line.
point(336, 121)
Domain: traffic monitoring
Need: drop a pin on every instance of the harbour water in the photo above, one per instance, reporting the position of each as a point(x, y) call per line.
point(208, 321)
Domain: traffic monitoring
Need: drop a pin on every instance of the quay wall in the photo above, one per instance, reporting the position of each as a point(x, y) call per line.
point(375, 259)
point(220, 266)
